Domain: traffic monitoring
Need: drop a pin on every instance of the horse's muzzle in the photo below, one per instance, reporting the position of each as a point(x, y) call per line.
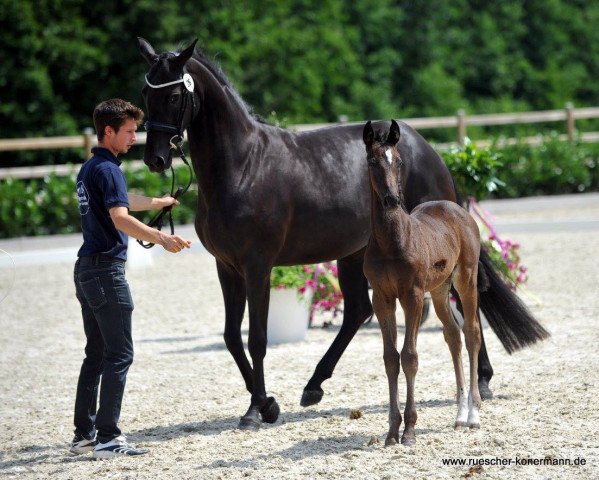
point(157, 164)
point(391, 201)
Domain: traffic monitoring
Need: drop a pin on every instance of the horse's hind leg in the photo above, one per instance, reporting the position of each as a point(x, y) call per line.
point(466, 287)
point(385, 313)
point(453, 337)
point(485, 369)
point(356, 309)
point(234, 294)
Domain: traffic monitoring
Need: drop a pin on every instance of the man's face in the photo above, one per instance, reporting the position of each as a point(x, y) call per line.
point(123, 140)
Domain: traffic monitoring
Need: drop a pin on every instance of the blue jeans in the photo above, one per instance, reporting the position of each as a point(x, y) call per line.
point(106, 306)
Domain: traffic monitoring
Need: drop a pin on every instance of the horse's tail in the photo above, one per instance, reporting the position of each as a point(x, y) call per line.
point(507, 315)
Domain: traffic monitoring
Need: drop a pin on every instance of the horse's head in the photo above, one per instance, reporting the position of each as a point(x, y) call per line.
point(384, 164)
point(171, 103)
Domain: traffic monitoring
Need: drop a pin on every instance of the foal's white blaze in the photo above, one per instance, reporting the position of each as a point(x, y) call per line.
point(389, 156)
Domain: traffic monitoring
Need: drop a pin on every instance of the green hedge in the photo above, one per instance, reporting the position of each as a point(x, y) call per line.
point(553, 168)
point(49, 206)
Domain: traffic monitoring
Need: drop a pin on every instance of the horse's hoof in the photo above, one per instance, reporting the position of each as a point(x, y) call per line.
point(311, 397)
point(390, 441)
point(270, 411)
point(484, 390)
point(474, 426)
point(249, 423)
point(459, 426)
point(408, 441)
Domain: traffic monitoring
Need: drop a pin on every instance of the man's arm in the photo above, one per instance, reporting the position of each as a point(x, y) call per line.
point(138, 203)
point(136, 229)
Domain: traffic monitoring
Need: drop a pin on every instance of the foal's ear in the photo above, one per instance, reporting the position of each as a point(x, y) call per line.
point(394, 134)
point(368, 134)
point(146, 50)
point(180, 60)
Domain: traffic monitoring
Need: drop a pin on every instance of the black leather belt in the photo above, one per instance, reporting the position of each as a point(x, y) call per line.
point(96, 260)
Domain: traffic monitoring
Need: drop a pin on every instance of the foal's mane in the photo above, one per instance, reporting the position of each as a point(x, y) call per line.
point(380, 136)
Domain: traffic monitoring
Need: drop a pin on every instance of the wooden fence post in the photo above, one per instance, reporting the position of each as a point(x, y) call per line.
point(461, 116)
point(88, 141)
point(570, 127)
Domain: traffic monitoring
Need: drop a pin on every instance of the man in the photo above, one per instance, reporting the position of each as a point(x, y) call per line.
point(100, 283)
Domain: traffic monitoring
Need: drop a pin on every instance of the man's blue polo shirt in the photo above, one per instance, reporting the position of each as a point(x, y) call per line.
point(101, 185)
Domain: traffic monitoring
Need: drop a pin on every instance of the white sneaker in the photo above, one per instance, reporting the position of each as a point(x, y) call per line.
point(115, 447)
point(81, 444)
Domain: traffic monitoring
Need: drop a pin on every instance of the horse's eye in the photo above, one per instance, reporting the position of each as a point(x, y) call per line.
point(174, 98)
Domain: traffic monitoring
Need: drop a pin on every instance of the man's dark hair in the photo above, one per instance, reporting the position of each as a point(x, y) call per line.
point(114, 113)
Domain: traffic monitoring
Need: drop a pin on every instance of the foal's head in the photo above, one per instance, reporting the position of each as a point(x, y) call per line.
point(384, 164)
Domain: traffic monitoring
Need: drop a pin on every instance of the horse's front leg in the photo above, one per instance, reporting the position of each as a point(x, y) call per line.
point(384, 309)
point(233, 288)
point(412, 305)
point(257, 278)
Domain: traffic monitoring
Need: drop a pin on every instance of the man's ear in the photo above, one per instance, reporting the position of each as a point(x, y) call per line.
point(146, 50)
point(108, 131)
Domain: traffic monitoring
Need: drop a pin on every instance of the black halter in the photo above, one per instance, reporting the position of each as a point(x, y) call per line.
point(176, 142)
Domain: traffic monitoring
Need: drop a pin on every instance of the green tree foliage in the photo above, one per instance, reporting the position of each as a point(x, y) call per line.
point(305, 60)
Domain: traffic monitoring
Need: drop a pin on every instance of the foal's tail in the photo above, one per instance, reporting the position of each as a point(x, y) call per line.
point(507, 315)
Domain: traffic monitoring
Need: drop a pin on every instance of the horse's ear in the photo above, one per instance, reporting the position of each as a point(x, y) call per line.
point(394, 134)
point(368, 134)
point(146, 50)
point(180, 60)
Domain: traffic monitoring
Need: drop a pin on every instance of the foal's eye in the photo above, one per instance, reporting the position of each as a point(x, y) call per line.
point(174, 98)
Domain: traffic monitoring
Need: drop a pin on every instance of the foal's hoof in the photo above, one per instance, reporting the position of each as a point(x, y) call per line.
point(408, 441)
point(484, 390)
point(474, 425)
point(311, 397)
point(390, 441)
point(459, 426)
point(270, 411)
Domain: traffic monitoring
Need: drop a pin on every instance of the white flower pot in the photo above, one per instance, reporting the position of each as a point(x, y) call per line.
point(288, 316)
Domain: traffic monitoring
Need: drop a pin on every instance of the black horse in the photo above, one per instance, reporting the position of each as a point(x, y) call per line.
point(267, 196)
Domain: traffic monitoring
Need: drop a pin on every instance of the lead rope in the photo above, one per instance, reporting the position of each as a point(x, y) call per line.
point(158, 221)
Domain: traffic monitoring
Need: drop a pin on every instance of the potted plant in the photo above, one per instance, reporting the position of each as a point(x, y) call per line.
point(297, 293)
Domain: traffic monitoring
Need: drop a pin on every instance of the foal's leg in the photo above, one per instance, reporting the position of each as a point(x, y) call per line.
point(384, 309)
point(466, 287)
point(453, 337)
point(412, 307)
point(485, 369)
point(356, 309)
point(233, 287)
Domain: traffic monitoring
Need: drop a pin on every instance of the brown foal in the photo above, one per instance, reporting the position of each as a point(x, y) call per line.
point(408, 254)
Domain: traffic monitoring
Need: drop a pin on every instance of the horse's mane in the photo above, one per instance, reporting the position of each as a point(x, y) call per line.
point(220, 76)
